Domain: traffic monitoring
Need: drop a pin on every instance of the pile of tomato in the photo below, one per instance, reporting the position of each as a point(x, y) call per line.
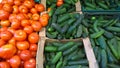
point(20, 22)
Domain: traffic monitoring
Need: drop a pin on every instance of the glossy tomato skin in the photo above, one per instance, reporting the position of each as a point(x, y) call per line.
point(20, 35)
point(25, 55)
point(4, 65)
point(12, 16)
point(6, 35)
point(7, 51)
point(15, 24)
point(12, 41)
point(33, 47)
point(22, 45)
point(59, 3)
point(33, 10)
point(20, 16)
point(4, 14)
point(5, 23)
point(15, 61)
point(28, 29)
point(33, 54)
point(36, 26)
point(28, 3)
point(31, 63)
point(25, 22)
point(23, 9)
point(17, 2)
point(35, 16)
point(40, 7)
point(15, 9)
point(7, 7)
point(33, 38)
point(2, 42)
point(43, 21)
point(11, 30)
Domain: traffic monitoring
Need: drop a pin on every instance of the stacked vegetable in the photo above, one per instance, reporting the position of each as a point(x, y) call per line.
point(100, 4)
point(63, 24)
point(20, 21)
point(65, 55)
point(104, 33)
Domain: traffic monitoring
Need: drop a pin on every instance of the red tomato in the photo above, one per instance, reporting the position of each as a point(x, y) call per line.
point(4, 65)
point(25, 22)
point(5, 23)
point(33, 53)
point(36, 25)
point(40, 7)
point(23, 9)
point(4, 14)
point(33, 47)
point(11, 30)
point(29, 15)
point(45, 15)
point(35, 16)
point(15, 9)
point(33, 38)
point(4, 1)
point(59, 3)
point(20, 16)
point(17, 2)
point(6, 35)
point(12, 16)
point(15, 24)
point(25, 55)
point(33, 10)
point(15, 61)
point(12, 41)
point(11, 2)
point(20, 35)
point(31, 63)
point(7, 51)
point(21, 64)
point(7, 7)
point(23, 45)
point(28, 3)
point(43, 21)
point(2, 42)
point(28, 29)
point(3, 29)
point(1, 5)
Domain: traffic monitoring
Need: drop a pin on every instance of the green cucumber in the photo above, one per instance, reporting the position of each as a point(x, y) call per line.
point(97, 34)
point(73, 66)
point(79, 31)
point(66, 46)
point(95, 26)
point(108, 23)
point(54, 19)
point(61, 11)
point(103, 5)
point(56, 58)
point(57, 27)
point(90, 5)
point(108, 34)
point(59, 64)
point(50, 48)
point(117, 24)
point(114, 29)
point(63, 18)
point(51, 35)
point(113, 66)
point(80, 62)
point(58, 44)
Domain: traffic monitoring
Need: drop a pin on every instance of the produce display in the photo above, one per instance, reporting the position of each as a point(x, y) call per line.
point(20, 22)
point(104, 33)
point(65, 55)
point(98, 5)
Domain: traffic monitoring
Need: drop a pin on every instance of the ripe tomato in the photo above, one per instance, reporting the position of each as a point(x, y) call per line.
point(40, 7)
point(4, 14)
point(2, 42)
point(20, 35)
point(22, 45)
point(43, 21)
point(15, 61)
point(31, 63)
point(33, 10)
point(26, 16)
point(59, 3)
point(12, 41)
point(28, 29)
point(28, 3)
point(25, 55)
point(36, 25)
point(3, 29)
point(7, 51)
point(45, 15)
point(5, 23)
point(25, 22)
point(1, 5)
point(15, 9)
point(33, 37)
point(15, 24)
point(21, 64)
point(12, 16)
point(17, 2)
point(33, 54)
point(7, 7)
point(11, 2)
point(33, 47)
point(4, 65)
point(6, 35)
point(29, 15)
point(35, 16)
point(11, 30)
point(23, 9)
point(21, 16)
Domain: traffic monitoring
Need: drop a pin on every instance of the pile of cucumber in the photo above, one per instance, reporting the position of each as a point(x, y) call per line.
point(104, 33)
point(63, 23)
point(100, 4)
point(65, 55)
